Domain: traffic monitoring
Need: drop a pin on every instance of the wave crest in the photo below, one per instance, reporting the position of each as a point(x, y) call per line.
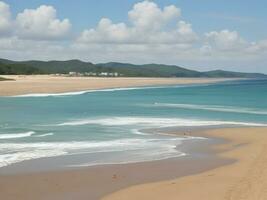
point(16, 135)
point(87, 91)
point(17, 152)
point(213, 108)
point(153, 122)
point(45, 134)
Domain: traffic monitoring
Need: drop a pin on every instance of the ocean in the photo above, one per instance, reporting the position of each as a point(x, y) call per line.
point(123, 125)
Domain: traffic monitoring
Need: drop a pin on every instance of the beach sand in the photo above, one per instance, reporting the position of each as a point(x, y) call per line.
point(58, 84)
point(234, 168)
point(20, 181)
point(245, 179)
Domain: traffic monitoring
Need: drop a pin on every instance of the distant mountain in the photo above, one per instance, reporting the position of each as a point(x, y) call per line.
point(150, 70)
point(124, 69)
point(222, 73)
point(52, 67)
point(17, 68)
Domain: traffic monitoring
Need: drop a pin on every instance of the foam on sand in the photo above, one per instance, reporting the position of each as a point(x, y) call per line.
point(87, 91)
point(11, 158)
point(141, 149)
point(108, 90)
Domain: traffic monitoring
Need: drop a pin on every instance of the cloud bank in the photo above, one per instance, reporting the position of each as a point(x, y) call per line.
point(150, 34)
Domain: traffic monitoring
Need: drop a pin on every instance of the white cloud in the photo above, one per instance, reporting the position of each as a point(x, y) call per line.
point(19, 49)
point(106, 32)
point(151, 34)
point(147, 26)
point(41, 24)
point(226, 40)
point(257, 47)
point(148, 16)
point(185, 31)
point(226, 45)
point(5, 18)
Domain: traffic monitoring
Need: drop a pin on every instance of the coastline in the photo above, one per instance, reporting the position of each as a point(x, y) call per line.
point(97, 181)
point(215, 163)
point(212, 158)
point(42, 84)
point(245, 179)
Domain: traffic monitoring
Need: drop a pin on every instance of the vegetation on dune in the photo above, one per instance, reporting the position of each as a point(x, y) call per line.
point(5, 79)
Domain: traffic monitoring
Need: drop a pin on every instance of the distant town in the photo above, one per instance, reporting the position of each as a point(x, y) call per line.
point(102, 74)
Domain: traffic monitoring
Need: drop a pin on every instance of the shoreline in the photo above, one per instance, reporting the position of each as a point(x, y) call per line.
point(211, 163)
point(243, 179)
point(39, 165)
point(223, 165)
point(98, 181)
point(43, 84)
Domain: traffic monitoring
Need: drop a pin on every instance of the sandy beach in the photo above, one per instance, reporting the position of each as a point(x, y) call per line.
point(232, 165)
point(245, 179)
point(133, 100)
point(58, 84)
point(235, 169)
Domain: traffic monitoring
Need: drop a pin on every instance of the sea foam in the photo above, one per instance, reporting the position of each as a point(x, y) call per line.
point(219, 108)
point(87, 91)
point(153, 122)
point(11, 153)
point(109, 90)
point(44, 135)
point(16, 135)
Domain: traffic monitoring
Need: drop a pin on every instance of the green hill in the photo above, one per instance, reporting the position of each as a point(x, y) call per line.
point(221, 73)
point(151, 70)
point(124, 69)
point(17, 68)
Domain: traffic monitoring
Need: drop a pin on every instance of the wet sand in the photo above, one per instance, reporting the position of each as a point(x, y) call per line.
point(231, 164)
point(59, 84)
point(245, 179)
point(20, 182)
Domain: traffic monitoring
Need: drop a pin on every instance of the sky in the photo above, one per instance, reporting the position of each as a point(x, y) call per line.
point(201, 35)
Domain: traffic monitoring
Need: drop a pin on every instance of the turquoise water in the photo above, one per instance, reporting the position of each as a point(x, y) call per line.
point(116, 125)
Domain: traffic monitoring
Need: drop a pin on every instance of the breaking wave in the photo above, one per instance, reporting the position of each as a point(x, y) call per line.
point(153, 122)
point(44, 135)
point(214, 108)
point(11, 153)
point(88, 91)
point(16, 135)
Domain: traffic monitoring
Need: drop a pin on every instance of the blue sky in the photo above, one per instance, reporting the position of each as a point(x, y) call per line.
point(220, 34)
point(246, 17)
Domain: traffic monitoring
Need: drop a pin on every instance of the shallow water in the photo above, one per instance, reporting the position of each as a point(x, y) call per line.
point(108, 126)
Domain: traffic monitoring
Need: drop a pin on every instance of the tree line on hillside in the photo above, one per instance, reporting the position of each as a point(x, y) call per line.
point(124, 69)
point(18, 69)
